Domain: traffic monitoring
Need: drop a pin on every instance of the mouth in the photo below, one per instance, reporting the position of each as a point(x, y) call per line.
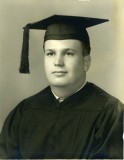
point(59, 73)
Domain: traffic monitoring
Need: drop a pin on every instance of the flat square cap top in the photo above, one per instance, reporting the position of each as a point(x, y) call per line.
point(83, 22)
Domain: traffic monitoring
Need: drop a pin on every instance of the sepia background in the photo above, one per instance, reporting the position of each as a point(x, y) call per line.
point(107, 43)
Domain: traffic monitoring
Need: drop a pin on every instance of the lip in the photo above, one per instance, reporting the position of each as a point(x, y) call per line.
point(59, 73)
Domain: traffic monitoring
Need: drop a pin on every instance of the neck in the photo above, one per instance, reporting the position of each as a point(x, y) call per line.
point(66, 91)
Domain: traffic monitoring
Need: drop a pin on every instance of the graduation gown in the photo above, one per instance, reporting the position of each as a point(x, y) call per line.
point(88, 124)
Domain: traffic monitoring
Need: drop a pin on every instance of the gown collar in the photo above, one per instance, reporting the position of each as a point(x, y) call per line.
point(60, 99)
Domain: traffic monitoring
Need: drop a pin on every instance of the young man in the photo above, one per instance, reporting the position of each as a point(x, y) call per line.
point(71, 118)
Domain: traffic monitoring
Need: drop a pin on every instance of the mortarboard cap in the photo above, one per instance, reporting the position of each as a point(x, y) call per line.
point(58, 27)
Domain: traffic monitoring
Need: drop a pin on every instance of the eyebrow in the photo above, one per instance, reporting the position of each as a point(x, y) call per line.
point(70, 49)
point(66, 49)
point(50, 50)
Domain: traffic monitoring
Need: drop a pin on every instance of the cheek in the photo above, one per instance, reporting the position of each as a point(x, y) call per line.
point(47, 65)
point(76, 66)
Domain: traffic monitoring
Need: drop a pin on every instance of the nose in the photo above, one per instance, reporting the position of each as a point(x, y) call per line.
point(58, 60)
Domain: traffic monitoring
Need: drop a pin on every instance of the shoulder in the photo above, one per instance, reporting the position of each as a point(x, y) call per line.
point(40, 96)
point(35, 101)
point(103, 99)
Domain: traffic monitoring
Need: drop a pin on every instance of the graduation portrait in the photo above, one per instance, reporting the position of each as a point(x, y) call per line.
point(62, 90)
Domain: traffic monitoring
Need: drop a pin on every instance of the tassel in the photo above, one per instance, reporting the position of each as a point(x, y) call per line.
point(24, 64)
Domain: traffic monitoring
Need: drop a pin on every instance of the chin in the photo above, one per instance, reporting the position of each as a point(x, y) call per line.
point(58, 83)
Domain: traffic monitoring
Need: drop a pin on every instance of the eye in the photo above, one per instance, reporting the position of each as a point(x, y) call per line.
point(69, 53)
point(49, 53)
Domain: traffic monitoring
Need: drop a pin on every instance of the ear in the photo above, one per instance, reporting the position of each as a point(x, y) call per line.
point(87, 62)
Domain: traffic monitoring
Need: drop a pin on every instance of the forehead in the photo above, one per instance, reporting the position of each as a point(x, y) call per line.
point(61, 44)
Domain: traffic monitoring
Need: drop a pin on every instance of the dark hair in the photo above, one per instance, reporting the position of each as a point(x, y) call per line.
point(86, 48)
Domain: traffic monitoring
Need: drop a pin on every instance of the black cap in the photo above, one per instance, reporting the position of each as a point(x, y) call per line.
point(58, 27)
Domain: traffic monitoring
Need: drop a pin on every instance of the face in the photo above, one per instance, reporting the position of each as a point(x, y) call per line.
point(64, 62)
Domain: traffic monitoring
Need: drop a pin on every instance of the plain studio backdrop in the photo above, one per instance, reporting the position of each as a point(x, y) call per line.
point(107, 48)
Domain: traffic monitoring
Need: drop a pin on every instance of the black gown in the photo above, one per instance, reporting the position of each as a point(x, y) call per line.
point(88, 124)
